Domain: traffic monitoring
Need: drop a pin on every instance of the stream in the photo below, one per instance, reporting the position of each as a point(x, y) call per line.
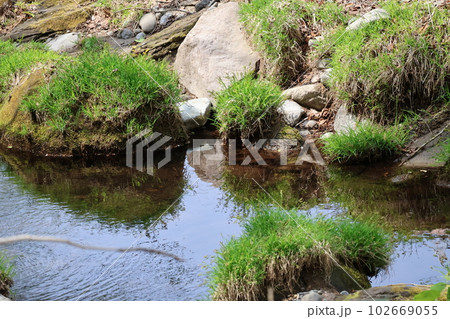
point(189, 210)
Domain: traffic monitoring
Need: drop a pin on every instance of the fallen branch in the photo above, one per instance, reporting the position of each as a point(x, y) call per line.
point(424, 144)
point(18, 238)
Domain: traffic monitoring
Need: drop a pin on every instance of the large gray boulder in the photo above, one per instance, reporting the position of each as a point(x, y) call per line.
point(214, 49)
point(292, 112)
point(344, 120)
point(195, 113)
point(311, 95)
point(371, 16)
point(64, 42)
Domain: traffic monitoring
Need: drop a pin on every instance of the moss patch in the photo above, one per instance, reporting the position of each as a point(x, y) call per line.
point(10, 107)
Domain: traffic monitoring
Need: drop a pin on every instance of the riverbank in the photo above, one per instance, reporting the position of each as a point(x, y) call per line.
point(362, 82)
point(92, 120)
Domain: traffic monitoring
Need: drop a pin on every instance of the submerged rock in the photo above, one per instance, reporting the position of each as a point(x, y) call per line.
point(371, 16)
point(311, 95)
point(195, 113)
point(148, 22)
point(214, 49)
point(292, 112)
point(64, 42)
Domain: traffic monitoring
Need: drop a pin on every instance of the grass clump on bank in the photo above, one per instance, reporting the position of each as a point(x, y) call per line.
point(392, 65)
point(101, 98)
point(368, 142)
point(5, 276)
point(280, 31)
point(247, 107)
point(276, 250)
point(16, 60)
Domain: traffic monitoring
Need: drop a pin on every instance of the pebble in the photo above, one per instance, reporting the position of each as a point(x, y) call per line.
point(312, 296)
point(148, 22)
point(126, 34)
point(140, 36)
point(310, 124)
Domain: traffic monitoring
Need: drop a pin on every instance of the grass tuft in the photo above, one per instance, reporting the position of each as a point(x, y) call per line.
point(392, 65)
point(103, 94)
point(276, 250)
point(366, 143)
point(247, 107)
point(6, 272)
point(280, 30)
point(16, 60)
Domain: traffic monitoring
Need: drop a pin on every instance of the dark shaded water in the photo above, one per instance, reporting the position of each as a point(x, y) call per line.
point(189, 211)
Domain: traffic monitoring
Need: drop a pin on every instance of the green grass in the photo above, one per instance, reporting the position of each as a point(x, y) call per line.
point(6, 273)
point(103, 87)
point(280, 30)
point(100, 98)
point(18, 60)
point(395, 64)
point(444, 155)
point(366, 143)
point(247, 107)
point(279, 249)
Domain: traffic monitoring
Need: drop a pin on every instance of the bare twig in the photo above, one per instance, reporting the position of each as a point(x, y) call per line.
point(25, 237)
point(424, 144)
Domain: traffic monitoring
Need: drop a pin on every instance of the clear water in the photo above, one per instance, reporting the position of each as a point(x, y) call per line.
point(187, 211)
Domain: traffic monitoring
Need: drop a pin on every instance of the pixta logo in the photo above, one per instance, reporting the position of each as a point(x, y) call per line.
point(150, 143)
point(142, 147)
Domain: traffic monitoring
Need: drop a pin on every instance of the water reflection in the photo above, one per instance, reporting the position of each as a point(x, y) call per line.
point(102, 202)
point(104, 188)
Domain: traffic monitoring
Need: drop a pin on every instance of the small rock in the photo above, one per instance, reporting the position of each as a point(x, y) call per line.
point(344, 293)
point(148, 22)
point(202, 5)
point(312, 296)
point(371, 16)
point(195, 113)
point(315, 40)
point(323, 64)
point(140, 35)
point(310, 124)
point(344, 120)
point(292, 112)
point(64, 42)
point(165, 19)
point(326, 135)
point(305, 133)
point(311, 95)
point(126, 34)
point(401, 178)
point(110, 33)
point(325, 76)
point(315, 78)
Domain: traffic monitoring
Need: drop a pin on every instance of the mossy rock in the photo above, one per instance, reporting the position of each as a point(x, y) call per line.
point(168, 40)
point(399, 292)
point(349, 279)
point(55, 16)
point(10, 108)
